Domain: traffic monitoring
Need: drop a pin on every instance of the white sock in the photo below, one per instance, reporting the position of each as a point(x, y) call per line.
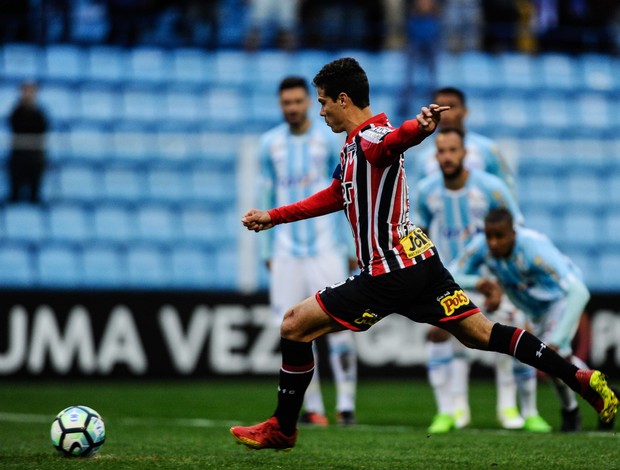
point(313, 400)
point(343, 359)
point(525, 377)
point(505, 382)
point(440, 358)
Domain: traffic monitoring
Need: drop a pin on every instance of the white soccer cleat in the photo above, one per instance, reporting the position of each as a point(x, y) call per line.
point(509, 418)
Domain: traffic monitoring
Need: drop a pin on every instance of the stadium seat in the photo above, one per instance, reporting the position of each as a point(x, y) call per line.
point(113, 223)
point(609, 266)
point(175, 141)
point(192, 267)
point(24, 223)
point(16, 265)
point(131, 142)
point(580, 227)
point(106, 64)
point(191, 66)
point(479, 70)
point(61, 103)
point(585, 187)
point(147, 267)
point(517, 71)
point(78, 183)
point(58, 266)
point(141, 104)
point(271, 66)
point(553, 111)
point(234, 67)
point(597, 109)
point(168, 184)
point(203, 225)
point(148, 65)
point(104, 266)
point(227, 106)
point(100, 103)
point(69, 223)
point(610, 233)
point(558, 71)
point(21, 62)
point(598, 72)
point(89, 142)
point(64, 62)
point(216, 189)
point(123, 183)
point(183, 104)
point(156, 223)
point(543, 219)
point(9, 93)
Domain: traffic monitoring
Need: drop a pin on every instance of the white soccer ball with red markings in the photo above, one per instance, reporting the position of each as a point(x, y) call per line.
point(78, 431)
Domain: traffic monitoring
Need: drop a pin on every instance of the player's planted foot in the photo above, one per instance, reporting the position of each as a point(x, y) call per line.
point(571, 420)
point(536, 423)
point(265, 435)
point(509, 418)
point(594, 390)
point(314, 419)
point(442, 422)
point(462, 418)
point(345, 418)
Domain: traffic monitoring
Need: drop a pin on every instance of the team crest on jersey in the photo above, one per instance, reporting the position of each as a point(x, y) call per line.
point(375, 134)
point(451, 303)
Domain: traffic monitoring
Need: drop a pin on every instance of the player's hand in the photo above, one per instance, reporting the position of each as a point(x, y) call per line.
point(429, 117)
point(492, 292)
point(257, 220)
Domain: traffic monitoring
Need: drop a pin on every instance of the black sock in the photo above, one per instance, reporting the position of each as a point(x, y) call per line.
point(295, 375)
point(530, 350)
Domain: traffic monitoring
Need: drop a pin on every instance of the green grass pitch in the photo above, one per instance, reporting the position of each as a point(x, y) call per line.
point(185, 425)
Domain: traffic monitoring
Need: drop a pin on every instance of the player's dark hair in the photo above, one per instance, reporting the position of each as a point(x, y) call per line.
point(293, 82)
point(450, 90)
point(498, 215)
point(455, 130)
point(344, 75)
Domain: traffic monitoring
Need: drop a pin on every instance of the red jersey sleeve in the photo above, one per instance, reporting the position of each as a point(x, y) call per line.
point(383, 151)
point(324, 202)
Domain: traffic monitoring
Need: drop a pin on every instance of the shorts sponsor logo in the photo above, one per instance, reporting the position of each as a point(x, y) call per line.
point(451, 303)
point(368, 318)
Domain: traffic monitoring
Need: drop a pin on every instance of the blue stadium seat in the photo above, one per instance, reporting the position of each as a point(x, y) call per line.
point(214, 188)
point(58, 265)
point(610, 233)
point(192, 267)
point(113, 223)
point(227, 105)
point(517, 71)
point(536, 188)
point(148, 65)
point(233, 67)
point(226, 267)
point(79, 183)
point(69, 223)
point(202, 225)
point(553, 111)
point(89, 142)
point(147, 267)
point(168, 184)
point(558, 71)
point(131, 142)
point(175, 142)
point(24, 223)
point(182, 104)
point(580, 228)
point(545, 220)
point(586, 188)
point(269, 67)
point(100, 103)
point(609, 266)
point(16, 265)
point(9, 93)
point(123, 183)
point(597, 109)
point(64, 62)
point(106, 64)
point(60, 102)
point(156, 223)
point(141, 104)
point(479, 70)
point(104, 266)
point(21, 62)
point(192, 66)
point(217, 150)
point(265, 107)
point(598, 72)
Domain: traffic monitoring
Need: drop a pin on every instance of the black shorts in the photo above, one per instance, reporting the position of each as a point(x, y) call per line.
point(425, 292)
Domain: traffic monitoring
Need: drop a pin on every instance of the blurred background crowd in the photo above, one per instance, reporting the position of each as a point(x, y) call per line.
point(455, 25)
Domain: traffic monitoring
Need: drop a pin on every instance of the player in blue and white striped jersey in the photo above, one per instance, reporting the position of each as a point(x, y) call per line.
point(451, 206)
point(539, 279)
point(297, 159)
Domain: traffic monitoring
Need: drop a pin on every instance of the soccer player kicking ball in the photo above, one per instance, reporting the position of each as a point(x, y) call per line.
point(399, 268)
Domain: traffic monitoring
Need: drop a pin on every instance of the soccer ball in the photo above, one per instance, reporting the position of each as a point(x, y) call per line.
point(78, 431)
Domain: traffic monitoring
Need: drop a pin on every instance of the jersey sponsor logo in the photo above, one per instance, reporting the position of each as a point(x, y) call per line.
point(416, 242)
point(367, 319)
point(451, 303)
point(375, 134)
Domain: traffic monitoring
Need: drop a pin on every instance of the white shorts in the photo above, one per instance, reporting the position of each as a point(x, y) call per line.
point(294, 279)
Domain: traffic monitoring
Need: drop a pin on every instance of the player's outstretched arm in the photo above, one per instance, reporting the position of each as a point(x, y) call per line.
point(257, 220)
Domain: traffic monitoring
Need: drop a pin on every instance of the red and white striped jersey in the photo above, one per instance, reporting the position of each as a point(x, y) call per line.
point(376, 200)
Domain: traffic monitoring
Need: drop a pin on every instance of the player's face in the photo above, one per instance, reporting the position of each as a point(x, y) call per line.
point(450, 153)
point(331, 111)
point(500, 238)
point(294, 103)
point(455, 116)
